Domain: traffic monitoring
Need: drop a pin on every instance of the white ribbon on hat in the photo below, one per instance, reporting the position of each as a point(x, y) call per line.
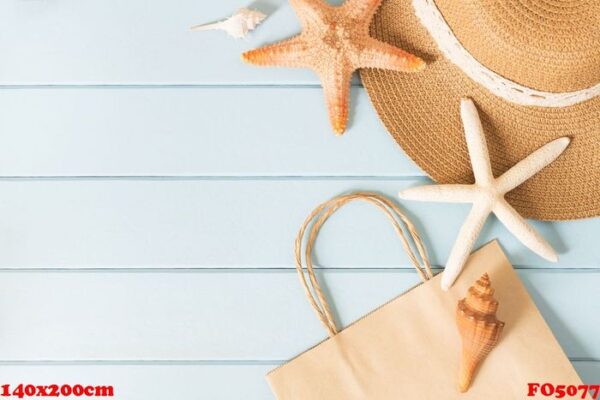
point(433, 20)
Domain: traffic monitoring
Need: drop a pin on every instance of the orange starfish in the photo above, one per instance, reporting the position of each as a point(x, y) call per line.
point(334, 43)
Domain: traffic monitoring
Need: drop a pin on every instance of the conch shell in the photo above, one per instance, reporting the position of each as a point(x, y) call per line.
point(238, 25)
point(478, 327)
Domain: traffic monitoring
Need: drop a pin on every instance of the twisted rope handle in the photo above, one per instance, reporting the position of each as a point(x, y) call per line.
point(319, 215)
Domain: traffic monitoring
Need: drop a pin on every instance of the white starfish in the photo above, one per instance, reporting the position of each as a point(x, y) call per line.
point(487, 194)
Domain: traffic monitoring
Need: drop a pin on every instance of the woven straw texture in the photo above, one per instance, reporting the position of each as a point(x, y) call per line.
point(551, 45)
point(421, 111)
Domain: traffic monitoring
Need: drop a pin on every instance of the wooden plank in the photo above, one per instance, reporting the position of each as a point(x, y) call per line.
point(183, 382)
point(249, 315)
point(589, 371)
point(192, 131)
point(134, 42)
point(190, 223)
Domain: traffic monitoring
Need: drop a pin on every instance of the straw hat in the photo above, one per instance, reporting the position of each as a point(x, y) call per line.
point(533, 69)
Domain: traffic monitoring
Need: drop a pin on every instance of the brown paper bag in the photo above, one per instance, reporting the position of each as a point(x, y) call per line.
point(410, 347)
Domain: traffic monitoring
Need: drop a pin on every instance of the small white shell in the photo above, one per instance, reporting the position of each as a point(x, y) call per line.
point(238, 25)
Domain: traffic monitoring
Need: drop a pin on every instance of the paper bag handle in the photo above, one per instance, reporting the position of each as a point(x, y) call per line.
point(318, 217)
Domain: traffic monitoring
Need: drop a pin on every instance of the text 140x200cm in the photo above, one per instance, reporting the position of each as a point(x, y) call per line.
point(22, 391)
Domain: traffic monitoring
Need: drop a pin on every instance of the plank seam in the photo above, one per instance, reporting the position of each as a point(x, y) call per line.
point(212, 177)
point(151, 86)
point(175, 362)
point(288, 270)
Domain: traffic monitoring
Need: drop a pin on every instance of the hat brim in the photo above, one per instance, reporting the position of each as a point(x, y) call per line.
point(421, 111)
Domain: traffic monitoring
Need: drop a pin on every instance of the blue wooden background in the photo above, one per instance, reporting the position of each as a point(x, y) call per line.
point(151, 187)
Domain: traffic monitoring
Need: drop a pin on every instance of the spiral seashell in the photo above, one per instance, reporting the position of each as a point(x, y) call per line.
point(479, 328)
point(238, 25)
